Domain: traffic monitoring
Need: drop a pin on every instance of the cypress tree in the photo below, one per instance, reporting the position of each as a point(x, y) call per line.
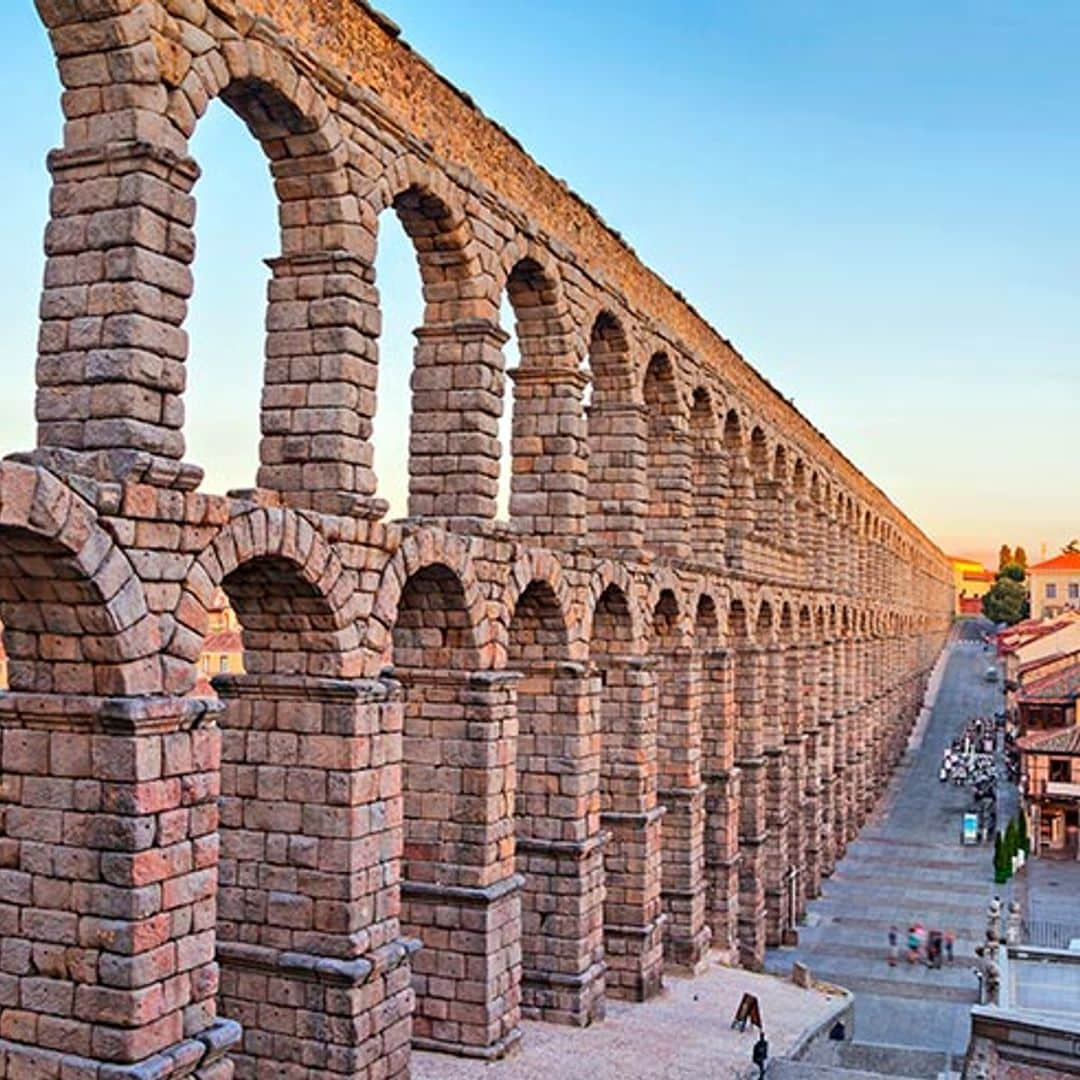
point(1002, 859)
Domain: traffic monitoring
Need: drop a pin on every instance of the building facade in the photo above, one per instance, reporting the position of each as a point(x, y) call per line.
point(1055, 585)
point(473, 769)
point(971, 582)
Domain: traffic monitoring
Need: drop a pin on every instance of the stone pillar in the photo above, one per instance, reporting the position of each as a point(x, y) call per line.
point(827, 756)
point(682, 793)
point(460, 893)
point(842, 722)
point(633, 919)
point(550, 459)
point(813, 822)
point(722, 797)
point(777, 892)
point(753, 829)
point(560, 847)
point(795, 756)
point(740, 516)
point(668, 525)
point(109, 874)
point(711, 494)
point(854, 736)
point(457, 399)
point(618, 497)
point(768, 516)
point(319, 394)
point(313, 964)
point(110, 370)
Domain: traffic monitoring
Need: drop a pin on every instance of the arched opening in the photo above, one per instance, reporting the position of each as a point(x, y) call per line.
point(237, 229)
point(750, 761)
point(633, 944)
point(310, 831)
point(720, 777)
point(448, 379)
point(556, 817)
point(459, 892)
point(740, 500)
point(766, 505)
point(686, 937)
point(30, 78)
point(667, 473)
point(547, 450)
point(708, 478)
point(401, 310)
point(617, 496)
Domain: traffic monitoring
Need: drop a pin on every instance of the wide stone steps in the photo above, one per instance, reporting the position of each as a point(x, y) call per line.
point(809, 1070)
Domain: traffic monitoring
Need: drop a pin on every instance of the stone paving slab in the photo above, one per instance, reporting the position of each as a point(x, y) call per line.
point(683, 1035)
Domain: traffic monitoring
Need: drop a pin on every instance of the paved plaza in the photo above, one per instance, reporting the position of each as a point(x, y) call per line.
point(685, 1033)
point(908, 865)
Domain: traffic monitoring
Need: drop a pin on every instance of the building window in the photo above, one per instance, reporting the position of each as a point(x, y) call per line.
point(223, 663)
point(1051, 590)
point(1074, 590)
point(1060, 771)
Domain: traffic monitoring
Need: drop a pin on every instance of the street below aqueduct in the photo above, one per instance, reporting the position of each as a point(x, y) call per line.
point(906, 866)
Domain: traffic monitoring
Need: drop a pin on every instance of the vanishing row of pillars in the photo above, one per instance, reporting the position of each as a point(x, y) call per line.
point(626, 474)
point(377, 880)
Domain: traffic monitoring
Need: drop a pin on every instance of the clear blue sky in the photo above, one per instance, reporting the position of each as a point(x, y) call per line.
point(877, 203)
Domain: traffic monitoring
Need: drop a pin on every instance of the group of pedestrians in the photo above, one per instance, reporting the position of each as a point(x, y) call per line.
point(923, 946)
point(970, 760)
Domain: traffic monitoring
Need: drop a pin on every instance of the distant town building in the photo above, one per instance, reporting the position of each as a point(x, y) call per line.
point(972, 581)
point(1031, 641)
point(223, 649)
point(1050, 771)
point(1055, 585)
point(1041, 658)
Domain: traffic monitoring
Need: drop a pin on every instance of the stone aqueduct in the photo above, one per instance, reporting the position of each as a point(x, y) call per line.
point(476, 770)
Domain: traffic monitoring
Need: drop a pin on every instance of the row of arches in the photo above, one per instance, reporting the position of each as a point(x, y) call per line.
point(618, 435)
point(567, 779)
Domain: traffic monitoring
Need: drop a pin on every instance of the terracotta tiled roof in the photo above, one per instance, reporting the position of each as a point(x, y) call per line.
point(1016, 637)
point(1069, 560)
point(1061, 685)
point(1061, 741)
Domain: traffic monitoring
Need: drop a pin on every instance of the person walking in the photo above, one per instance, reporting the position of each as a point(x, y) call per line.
point(912, 945)
point(950, 941)
point(894, 946)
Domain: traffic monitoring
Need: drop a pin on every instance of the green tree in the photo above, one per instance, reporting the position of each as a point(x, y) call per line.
point(1004, 556)
point(1071, 548)
point(1014, 571)
point(1006, 601)
point(1020, 556)
point(1012, 838)
point(1002, 864)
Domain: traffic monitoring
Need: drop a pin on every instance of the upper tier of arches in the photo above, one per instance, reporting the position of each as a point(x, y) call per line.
point(625, 433)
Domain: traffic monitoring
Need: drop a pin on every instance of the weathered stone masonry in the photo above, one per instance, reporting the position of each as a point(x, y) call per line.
point(475, 770)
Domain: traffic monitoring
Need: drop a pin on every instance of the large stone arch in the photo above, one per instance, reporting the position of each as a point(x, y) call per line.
point(74, 613)
point(458, 371)
point(615, 574)
point(549, 445)
point(423, 548)
point(534, 565)
point(298, 605)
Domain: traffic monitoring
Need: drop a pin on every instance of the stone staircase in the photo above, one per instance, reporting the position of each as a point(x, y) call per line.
point(826, 1060)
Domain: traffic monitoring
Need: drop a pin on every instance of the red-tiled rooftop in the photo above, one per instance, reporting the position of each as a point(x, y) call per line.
point(1061, 741)
point(1061, 685)
point(1068, 560)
